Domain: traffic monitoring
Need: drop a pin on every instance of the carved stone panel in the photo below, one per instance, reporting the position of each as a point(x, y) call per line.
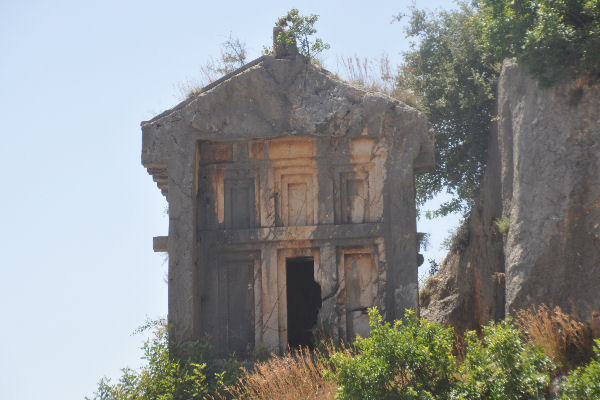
point(354, 187)
point(297, 199)
point(360, 274)
point(236, 304)
point(239, 203)
point(352, 194)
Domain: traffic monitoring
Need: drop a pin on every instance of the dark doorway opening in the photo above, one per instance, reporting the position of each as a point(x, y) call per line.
point(303, 300)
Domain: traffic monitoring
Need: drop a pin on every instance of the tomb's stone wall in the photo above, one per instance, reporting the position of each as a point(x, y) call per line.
point(265, 201)
point(277, 161)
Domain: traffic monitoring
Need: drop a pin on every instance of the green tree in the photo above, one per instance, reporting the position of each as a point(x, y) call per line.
point(455, 79)
point(298, 29)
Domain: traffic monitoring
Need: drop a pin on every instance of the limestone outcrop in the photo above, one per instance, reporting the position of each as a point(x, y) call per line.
point(543, 178)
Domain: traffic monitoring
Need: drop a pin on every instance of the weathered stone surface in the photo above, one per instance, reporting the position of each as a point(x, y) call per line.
point(552, 250)
point(544, 176)
point(468, 290)
point(282, 161)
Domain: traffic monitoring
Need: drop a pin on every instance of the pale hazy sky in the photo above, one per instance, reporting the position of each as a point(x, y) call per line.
point(78, 211)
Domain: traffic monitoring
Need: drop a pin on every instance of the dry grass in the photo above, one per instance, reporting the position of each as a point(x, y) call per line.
point(296, 376)
point(424, 296)
point(459, 347)
point(564, 337)
point(425, 291)
point(375, 75)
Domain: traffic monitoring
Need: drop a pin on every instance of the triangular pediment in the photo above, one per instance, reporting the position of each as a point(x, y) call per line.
point(274, 97)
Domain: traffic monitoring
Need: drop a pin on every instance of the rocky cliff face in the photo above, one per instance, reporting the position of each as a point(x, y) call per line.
point(543, 178)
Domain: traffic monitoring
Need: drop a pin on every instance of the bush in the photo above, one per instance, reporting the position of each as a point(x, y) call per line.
point(407, 359)
point(171, 372)
point(410, 359)
point(502, 366)
point(502, 225)
point(164, 377)
point(584, 382)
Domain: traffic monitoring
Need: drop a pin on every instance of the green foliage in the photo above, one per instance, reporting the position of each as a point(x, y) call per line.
point(502, 366)
point(455, 79)
point(164, 377)
point(298, 30)
point(584, 382)
point(453, 68)
point(502, 225)
point(553, 38)
point(410, 359)
point(167, 374)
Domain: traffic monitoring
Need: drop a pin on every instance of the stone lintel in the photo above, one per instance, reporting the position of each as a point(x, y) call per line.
point(160, 243)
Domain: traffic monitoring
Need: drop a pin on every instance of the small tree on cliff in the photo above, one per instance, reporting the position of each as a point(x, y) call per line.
point(298, 29)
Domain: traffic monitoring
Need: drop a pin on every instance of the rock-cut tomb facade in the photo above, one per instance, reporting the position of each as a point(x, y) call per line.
point(291, 206)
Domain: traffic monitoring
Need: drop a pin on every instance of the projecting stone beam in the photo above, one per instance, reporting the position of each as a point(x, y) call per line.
point(274, 234)
point(160, 243)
